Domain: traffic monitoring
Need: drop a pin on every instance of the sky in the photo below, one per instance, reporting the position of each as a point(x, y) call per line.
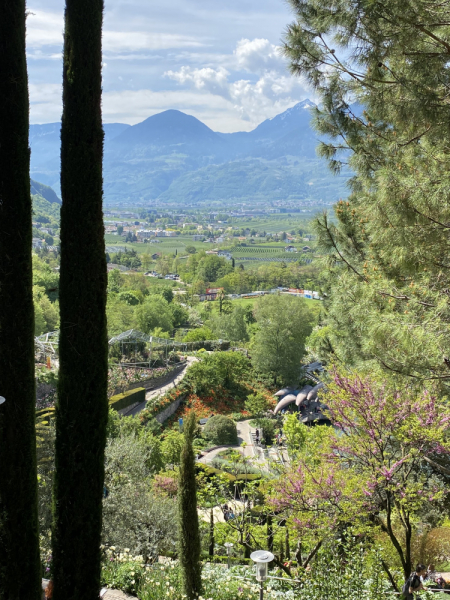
point(217, 60)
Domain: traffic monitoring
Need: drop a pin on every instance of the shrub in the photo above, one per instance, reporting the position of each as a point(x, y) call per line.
point(121, 401)
point(268, 427)
point(221, 430)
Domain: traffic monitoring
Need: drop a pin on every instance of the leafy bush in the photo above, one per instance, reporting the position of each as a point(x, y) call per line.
point(200, 334)
point(268, 427)
point(220, 369)
point(133, 516)
point(122, 571)
point(221, 430)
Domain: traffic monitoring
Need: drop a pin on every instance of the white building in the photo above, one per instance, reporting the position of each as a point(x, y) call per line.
point(145, 234)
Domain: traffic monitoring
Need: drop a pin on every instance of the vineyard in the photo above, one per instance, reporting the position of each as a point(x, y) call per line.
point(284, 258)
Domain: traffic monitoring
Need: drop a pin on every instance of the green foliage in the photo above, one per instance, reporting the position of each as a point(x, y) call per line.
point(44, 276)
point(231, 326)
point(256, 404)
point(172, 446)
point(120, 316)
point(268, 427)
point(221, 430)
point(191, 249)
point(213, 267)
point(385, 288)
point(284, 323)
point(114, 281)
point(154, 312)
point(179, 314)
point(189, 534)
point(125, 573)
point(128, 298)
point(225, 369)
point(200, 334)
point(167, 294)
point(128, 398)
point(133, 517)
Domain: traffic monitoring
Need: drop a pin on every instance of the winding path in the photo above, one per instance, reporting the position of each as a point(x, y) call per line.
point(134, 410)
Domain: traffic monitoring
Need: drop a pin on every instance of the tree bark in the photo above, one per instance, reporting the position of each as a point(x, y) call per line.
point(189, 543)
point(19, 539)
point(82, 407)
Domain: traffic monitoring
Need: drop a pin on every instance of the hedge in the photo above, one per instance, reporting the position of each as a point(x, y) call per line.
point(128, 398)
point(213, 471)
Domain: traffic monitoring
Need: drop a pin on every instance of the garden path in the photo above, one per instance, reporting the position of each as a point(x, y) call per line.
point(243, 430)
point(162, 390)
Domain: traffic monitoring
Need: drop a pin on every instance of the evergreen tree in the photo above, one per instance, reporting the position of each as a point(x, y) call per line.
point(189, 544)
point(387, 256)
point(82, 407)
point(19, 541)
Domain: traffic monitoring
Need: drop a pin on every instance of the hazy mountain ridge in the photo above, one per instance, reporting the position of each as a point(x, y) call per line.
point(175, 157)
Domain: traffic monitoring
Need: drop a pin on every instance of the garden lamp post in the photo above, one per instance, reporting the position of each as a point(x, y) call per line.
point(2, 399)
point(261, 558)
point(228, 546)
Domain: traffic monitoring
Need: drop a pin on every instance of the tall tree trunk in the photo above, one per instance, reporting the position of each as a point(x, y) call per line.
point(211, 533)
point(269, 533)
point(189, 543)
point(82, 408)
point(19, 539)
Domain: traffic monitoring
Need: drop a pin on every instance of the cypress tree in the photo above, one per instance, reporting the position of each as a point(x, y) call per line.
point(82, 408)
point(189, 544)
point(19, 540)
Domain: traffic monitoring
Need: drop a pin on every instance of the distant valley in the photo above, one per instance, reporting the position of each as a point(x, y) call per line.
point(175, 158)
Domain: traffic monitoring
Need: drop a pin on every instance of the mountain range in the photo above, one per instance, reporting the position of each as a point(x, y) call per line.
point(174, 157)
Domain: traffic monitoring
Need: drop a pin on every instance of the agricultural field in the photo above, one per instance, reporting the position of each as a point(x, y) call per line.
point(166, 245)
point(244, 302)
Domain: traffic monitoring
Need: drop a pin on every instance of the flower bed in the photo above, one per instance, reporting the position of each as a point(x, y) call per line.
point(159, 403)
point(160, 582)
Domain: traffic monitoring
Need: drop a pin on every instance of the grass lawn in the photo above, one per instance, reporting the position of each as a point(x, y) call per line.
point(250, 301)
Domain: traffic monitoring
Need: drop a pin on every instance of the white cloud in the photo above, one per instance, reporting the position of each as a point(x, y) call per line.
point(120, 41)
point(274, 88)
point(45, 102)
point(46, 29)
point(214, 81)
point(258, 56)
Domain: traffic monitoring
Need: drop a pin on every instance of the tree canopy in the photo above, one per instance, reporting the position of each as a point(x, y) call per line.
point(381, 71)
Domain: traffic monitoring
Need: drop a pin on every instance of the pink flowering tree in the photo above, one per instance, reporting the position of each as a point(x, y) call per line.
point(378, 465)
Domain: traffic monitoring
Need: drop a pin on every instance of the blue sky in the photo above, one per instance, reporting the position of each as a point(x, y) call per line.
point(216, 60)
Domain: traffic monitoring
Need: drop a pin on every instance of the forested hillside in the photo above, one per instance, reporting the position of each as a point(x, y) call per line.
point(176, 158)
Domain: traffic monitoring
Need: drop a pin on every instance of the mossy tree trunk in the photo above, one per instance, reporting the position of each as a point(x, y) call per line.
point(19, 540)
point(82, 407)
point(189, 544)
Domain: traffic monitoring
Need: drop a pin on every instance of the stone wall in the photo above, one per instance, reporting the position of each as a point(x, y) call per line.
point(169, 410)
point(155, 382)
